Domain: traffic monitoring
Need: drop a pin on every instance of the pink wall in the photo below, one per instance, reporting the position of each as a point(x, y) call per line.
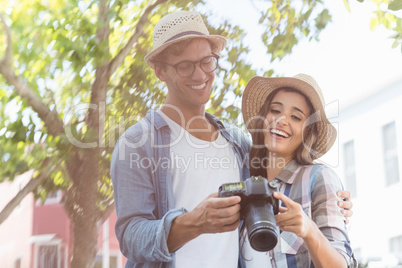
point(16, 230)
point(51, 218)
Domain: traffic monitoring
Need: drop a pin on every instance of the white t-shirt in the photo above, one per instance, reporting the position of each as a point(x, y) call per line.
point(198, 168)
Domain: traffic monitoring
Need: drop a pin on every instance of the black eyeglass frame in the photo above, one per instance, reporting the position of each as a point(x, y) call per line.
point(194, 63)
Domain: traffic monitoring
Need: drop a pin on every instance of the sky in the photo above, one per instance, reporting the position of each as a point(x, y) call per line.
point(349, 62)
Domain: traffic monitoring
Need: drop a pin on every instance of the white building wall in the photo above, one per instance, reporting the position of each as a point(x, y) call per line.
point(377, 208)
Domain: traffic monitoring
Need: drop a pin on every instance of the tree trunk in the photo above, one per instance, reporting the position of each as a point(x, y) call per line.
point(85, 241)
point(82, 208)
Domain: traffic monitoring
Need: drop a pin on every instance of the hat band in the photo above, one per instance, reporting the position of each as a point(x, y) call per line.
point(183, 34)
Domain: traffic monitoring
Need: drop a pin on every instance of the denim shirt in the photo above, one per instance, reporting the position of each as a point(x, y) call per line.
point(143, 190)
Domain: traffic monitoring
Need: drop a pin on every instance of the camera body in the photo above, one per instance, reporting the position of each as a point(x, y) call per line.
point(253, 188)
point(258, 207)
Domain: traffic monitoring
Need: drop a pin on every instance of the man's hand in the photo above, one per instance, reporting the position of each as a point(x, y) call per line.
point(212, 215)
point(217, 215)
point(346, 204)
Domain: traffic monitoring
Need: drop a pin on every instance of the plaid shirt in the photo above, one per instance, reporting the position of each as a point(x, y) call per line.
point(314, 187)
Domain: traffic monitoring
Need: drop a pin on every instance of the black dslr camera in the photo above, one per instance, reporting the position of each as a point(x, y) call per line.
point(258, 207)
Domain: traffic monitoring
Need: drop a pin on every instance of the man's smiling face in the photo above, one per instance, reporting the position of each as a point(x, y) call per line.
point(188, 92)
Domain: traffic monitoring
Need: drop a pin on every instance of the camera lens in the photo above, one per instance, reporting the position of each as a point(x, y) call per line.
point(261, 225)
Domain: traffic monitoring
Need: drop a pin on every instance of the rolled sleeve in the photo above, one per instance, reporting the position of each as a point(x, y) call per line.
point(142, 236)
point(327, 215)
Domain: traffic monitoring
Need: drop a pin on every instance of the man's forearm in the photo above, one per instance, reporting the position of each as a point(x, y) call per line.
point(181, 232)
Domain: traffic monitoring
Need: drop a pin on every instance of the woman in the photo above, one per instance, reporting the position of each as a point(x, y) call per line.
point(290, 130)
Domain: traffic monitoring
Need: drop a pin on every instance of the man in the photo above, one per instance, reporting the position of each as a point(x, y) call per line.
point(167, 168)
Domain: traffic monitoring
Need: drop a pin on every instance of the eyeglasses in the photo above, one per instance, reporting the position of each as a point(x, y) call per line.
point(186, 68)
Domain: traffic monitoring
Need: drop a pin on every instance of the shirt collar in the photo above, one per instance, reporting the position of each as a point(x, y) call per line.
point(156, 119)
point(159, 122)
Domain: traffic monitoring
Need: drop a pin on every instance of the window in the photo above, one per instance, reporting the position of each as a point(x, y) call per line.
point(358, 255)
point(395, 246)
point(51, 198)
point(48, 256)
point(350, 168)
point(390, 154)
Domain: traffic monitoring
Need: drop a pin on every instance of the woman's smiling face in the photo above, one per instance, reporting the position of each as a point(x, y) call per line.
point(286, 117)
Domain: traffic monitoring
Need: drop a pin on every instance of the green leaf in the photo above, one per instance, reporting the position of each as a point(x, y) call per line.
point(395, 5)
point(346, 3)
point(322, 19)
point(373, 23)
point(395, 44)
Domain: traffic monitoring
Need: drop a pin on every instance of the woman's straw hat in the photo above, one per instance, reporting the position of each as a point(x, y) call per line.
point(179, 26)
point(259, 88)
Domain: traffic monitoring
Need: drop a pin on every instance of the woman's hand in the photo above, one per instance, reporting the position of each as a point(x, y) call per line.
point(346, 204)
point(292, 218)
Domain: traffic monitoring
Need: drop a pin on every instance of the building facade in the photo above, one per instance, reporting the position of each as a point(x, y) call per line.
point(370, 154)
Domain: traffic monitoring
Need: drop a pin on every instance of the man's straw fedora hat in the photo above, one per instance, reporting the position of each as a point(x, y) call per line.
point(259, 88)
point(179, 26)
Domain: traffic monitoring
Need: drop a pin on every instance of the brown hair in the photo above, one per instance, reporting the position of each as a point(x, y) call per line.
point(258, 151)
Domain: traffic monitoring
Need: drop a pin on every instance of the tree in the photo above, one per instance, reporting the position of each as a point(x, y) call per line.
point(386, 14)
point(73, 79)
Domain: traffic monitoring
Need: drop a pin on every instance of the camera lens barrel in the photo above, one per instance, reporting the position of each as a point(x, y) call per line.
point(261, 225)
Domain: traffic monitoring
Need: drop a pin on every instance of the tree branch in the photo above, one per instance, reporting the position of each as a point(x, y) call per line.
point(29, 187)
point(96, 117)
point(114, 64)
point(102, 70)
point(50, 118)
point(107, 212)
point(103, 31)
point(7, 54)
